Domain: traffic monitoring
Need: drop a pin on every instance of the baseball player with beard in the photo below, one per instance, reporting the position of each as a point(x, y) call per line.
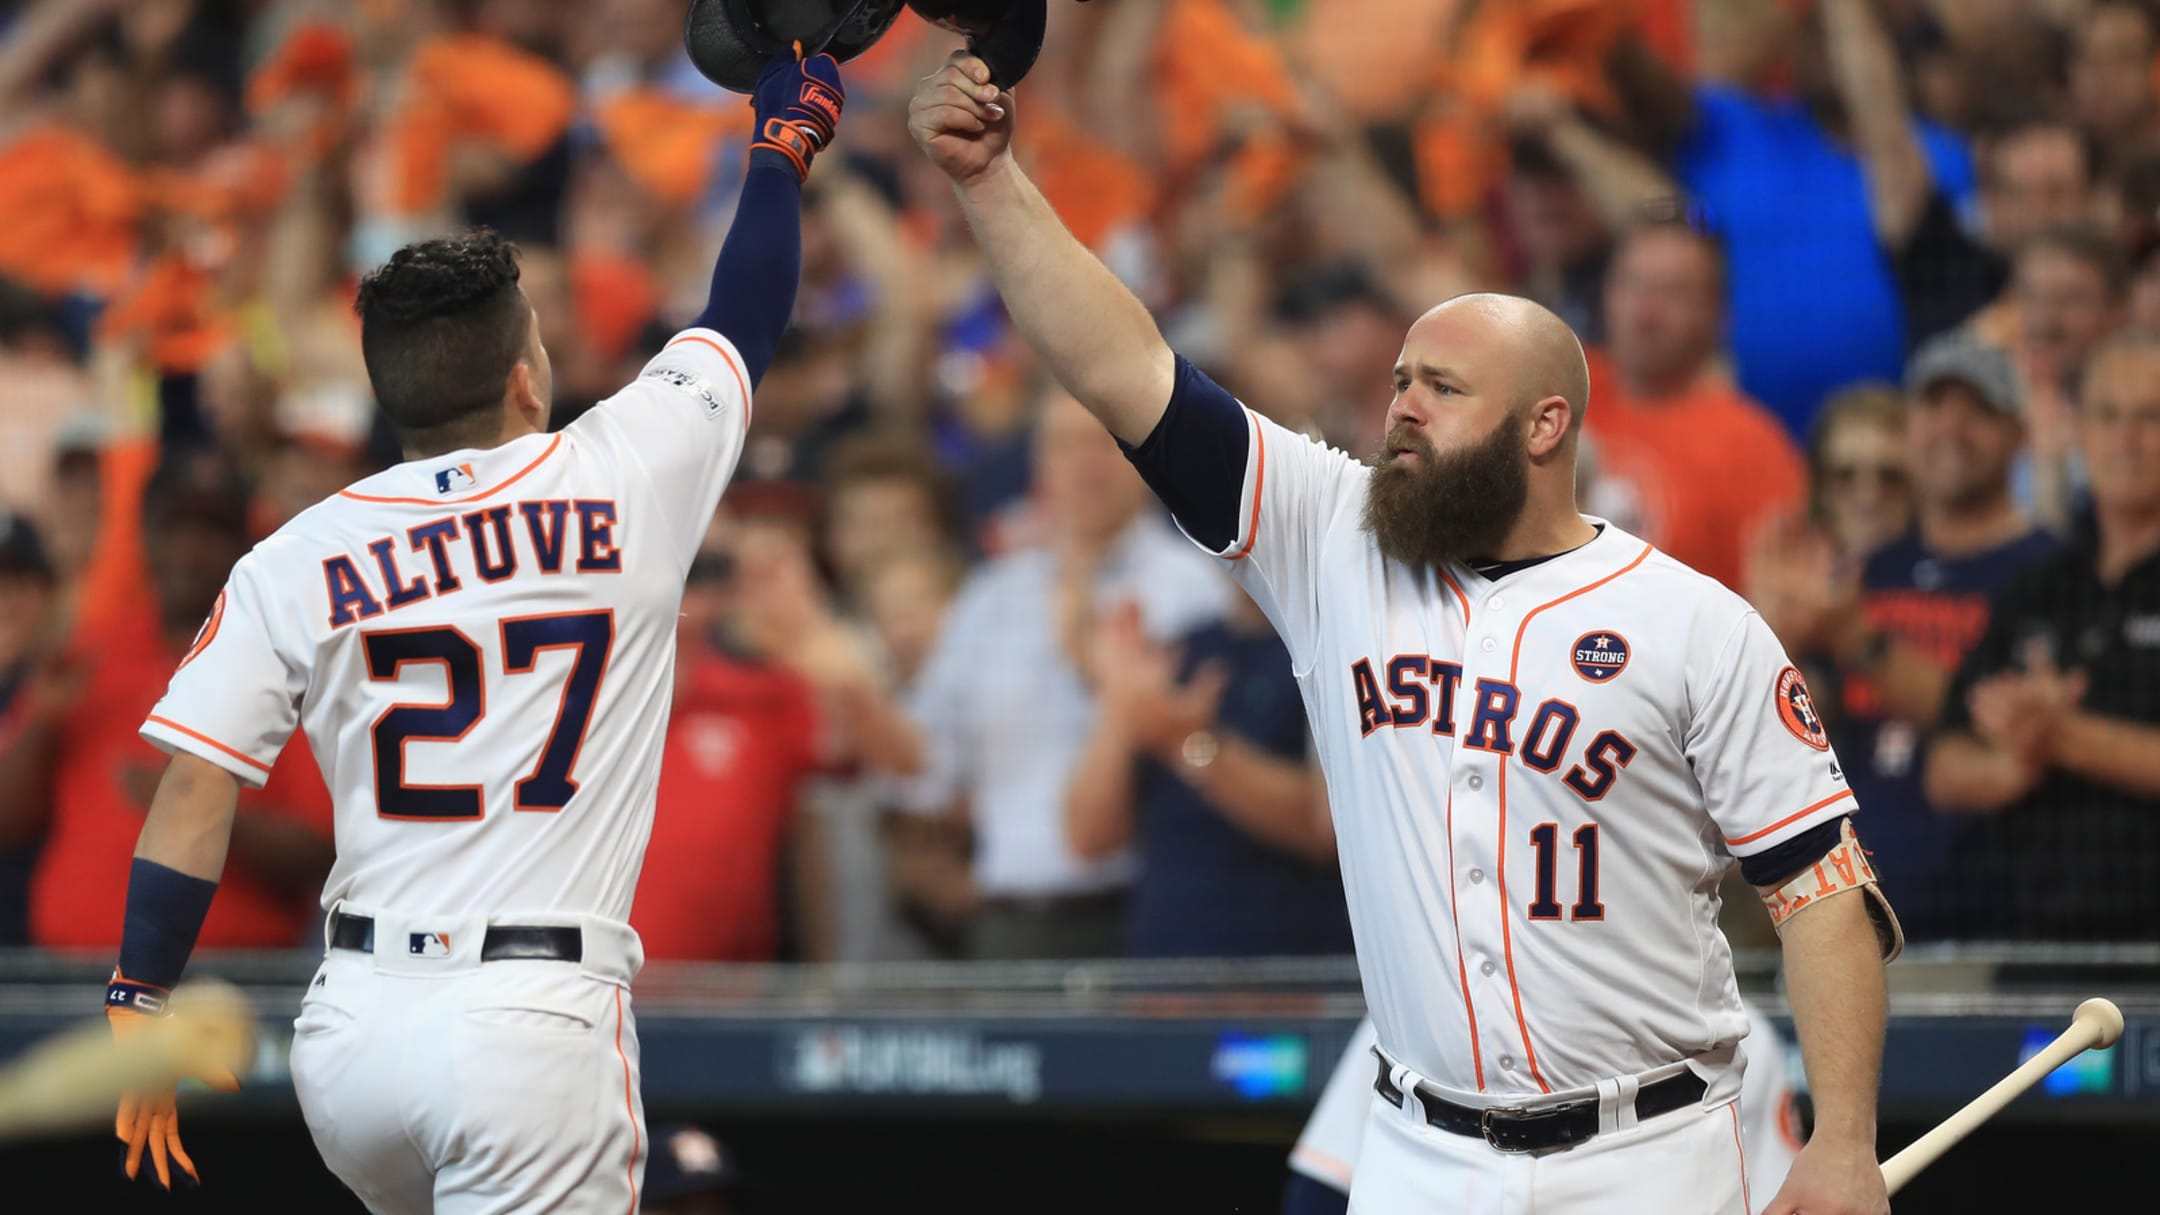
point(480, 644)
point(1544, 742)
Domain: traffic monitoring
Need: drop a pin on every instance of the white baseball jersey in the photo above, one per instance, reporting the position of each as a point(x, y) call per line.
point(481, 648)
point(1538, 780)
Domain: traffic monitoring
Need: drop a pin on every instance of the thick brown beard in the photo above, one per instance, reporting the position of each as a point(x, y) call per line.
point(1447, 508)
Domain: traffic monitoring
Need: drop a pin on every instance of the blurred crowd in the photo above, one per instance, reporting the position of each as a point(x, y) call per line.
point(1872, 289)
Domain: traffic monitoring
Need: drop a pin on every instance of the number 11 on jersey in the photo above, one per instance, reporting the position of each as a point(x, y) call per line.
point(1545, 837)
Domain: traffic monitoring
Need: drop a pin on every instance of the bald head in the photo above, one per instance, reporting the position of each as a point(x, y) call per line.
point(1532, 353)
point(1478, 459)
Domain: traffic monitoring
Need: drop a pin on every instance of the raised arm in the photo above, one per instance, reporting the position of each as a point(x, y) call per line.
point(1618, 180)
point(39, 39)
point(753, 286)
point(1864, 65)
point(1097, 338)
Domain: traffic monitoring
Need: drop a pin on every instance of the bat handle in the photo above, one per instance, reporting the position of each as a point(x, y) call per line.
point(2097, 1023)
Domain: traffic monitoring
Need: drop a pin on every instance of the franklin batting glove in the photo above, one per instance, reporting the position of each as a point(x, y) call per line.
point(798, 104)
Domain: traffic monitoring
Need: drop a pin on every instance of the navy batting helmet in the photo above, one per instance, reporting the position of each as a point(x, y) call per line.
point(1005, 34)
point(731, 41)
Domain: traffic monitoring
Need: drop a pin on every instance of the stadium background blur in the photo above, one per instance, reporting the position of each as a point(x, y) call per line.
point(942, 816)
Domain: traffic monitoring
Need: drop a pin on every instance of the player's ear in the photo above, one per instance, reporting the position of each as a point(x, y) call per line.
point(525, 398)
point(1549, 423)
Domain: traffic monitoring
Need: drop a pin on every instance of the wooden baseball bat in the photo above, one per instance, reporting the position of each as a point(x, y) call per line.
point(77, 1077)
point(2096, 1023)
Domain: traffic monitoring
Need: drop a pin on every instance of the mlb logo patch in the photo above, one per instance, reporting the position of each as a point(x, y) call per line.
point(451, 480)
point(1599, 656)
point(428, 944)
point(696, 385)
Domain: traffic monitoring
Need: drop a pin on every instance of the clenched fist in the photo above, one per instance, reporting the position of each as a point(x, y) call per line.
point(963, 122)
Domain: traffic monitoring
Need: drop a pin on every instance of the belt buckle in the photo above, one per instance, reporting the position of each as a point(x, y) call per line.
point(1489, 1124)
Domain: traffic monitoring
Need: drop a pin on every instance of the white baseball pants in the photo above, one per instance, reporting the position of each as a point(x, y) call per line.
point(435, 1083)
point(1686, 1162)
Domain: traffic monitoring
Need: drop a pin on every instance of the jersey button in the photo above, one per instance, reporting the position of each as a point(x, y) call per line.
point(1476, 876)
point(1486, 967)
point(1493, 603)
point(1488, 645)
point(1476, 781)
point(1507, 1063)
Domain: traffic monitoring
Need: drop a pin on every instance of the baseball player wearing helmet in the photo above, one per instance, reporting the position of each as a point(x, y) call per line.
point(479, 643)
point(1544, 743)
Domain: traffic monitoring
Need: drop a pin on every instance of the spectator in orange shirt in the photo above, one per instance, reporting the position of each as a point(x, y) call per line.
point(75, 768)
point(1681, 456)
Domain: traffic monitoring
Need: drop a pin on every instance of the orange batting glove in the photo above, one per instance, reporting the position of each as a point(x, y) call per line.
point(152, 1118)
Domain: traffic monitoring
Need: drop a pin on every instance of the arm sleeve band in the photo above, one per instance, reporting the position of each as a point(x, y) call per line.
point(1842, 870)
point(1195, 457)
point(1773, 865)
point(754, 278)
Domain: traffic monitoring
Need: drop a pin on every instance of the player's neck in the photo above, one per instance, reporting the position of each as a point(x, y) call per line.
point(514, 426)
point(1544, 530)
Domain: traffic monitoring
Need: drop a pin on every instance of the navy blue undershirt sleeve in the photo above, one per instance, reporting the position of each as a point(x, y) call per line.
point(1194, 459)
point(165, 910)
point(754, 278)
point(1774, 865)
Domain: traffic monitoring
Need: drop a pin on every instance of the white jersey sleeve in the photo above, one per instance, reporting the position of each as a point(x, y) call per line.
point(685, 418)
point(1294, 488)
point(235, 698)
point(1756, 743)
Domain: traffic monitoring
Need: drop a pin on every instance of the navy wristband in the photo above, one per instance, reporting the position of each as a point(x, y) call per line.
point(165, 910)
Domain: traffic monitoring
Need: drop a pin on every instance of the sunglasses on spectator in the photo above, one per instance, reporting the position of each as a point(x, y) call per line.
point(1844, 476)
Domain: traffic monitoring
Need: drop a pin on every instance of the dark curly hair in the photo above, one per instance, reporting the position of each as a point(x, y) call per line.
point(441, 325)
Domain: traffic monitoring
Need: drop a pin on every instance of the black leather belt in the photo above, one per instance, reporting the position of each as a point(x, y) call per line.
point(503, 942)
point(1516, 1129)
